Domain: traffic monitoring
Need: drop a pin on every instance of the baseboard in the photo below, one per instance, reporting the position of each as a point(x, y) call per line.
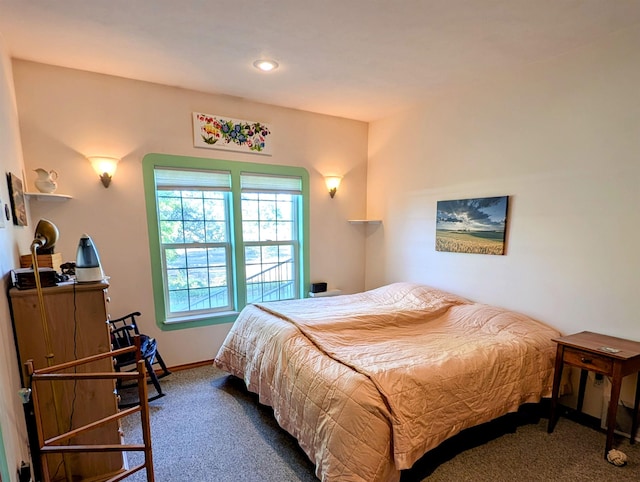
point(594, 423)
point(187, 366)
point(579, 417)
point(624, 418)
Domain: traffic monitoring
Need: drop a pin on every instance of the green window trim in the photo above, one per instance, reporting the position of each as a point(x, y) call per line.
point(236, 168)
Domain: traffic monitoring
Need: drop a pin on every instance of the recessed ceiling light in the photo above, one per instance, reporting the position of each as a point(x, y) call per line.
point(265, 65)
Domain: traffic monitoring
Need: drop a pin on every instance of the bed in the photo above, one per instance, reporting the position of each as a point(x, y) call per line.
point(368, 383)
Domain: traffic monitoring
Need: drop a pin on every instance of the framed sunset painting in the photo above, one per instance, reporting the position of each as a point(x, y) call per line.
point(477, 225)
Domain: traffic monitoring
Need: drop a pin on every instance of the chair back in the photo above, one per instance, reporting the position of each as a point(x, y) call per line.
point(123, 331)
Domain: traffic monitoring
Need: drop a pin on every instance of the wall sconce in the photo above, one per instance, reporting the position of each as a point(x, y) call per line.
point(332, 184)
point(105, 167)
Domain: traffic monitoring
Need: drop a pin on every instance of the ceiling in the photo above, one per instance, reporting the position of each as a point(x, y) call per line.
point(359, 59)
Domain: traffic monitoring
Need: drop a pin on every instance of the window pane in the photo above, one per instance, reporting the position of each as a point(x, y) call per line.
point(285, 208)
point(177, 279)
point(178, 301)
point(171, 232)
point(198, 278)
point(218, 277)
point(249, 209)
point(269, 254)
point(217, 256)
point(176, 258)
point(196, 257)
point(285, 231)
point(285, 253)
point(268, 231)
point(194, 232)
point(219, 297)
point(215, 231)
point(199, 299)
point(214, 209)
point(267, 208)
point(252, 255)
point(250, 231)
point(192, 208)
point(170, 208)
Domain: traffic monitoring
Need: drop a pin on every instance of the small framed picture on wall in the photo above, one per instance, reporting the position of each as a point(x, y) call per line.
point(16, 193)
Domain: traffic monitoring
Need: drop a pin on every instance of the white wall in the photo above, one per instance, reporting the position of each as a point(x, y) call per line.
point(67, 114)
point(12, 426)
point(562, 139)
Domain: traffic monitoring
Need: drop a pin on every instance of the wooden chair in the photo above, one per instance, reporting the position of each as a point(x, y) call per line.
point(123, 331)
point(60, 444)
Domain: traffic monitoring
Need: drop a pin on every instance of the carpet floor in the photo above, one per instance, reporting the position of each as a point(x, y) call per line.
point(208, 428)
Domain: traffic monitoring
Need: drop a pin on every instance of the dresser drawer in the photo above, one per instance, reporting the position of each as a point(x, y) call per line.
point(588, 361)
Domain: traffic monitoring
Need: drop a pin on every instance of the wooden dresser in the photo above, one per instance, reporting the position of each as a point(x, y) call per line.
point(77, 317)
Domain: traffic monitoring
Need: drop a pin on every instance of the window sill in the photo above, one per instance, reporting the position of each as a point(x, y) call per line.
point(200, 320)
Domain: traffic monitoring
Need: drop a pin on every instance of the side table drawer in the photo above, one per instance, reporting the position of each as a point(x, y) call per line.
point(588, 361)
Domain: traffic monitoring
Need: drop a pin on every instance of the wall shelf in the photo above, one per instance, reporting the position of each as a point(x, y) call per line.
point(365, 221)
point(41, 196)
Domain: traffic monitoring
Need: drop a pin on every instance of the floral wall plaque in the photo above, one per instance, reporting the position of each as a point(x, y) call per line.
point(217, 132)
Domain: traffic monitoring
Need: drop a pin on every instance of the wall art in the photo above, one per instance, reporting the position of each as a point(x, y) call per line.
point(16, 193)
point(217, 132)
point(476, 225)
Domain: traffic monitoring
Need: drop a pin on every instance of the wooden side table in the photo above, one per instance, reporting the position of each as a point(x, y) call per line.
point(607, 355)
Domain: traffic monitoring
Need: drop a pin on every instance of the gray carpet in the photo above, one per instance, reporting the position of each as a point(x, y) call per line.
point(210, 429)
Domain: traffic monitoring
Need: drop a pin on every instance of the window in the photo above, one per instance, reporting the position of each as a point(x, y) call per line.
point(193, 221)
point(269, 233)
point(223, 234)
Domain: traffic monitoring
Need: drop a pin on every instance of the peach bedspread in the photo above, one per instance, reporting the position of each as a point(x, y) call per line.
point(368, 383)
